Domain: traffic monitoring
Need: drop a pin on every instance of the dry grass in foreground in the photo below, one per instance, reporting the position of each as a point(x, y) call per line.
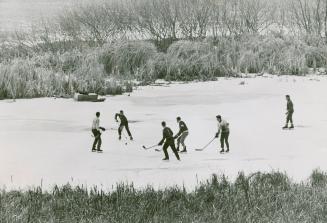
point(260, 197)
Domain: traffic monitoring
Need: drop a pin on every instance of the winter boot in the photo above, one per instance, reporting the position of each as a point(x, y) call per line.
point(131, 138)
point(292, 126)
point(184, 150)
point(119, 137)
point(222, 151)
point(165, 158)
point(285, 127)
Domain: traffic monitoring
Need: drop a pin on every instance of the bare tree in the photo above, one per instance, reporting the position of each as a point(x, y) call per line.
point(309, 16)
point(256, 15)
point(94, 22)
point(194, 18)
point(157, 18)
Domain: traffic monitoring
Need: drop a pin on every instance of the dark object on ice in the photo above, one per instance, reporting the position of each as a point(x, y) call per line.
point(289, 113)
point(168, 141)
point(88, 97)
point(83, 92)
point(123, 124)
point(99, 100)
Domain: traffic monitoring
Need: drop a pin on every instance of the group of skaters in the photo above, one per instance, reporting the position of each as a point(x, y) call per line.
point(97, 129)
point(168, 139)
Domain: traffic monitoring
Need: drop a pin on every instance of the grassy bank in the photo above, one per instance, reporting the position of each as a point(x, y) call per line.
point(111, 68)
point(260, 197)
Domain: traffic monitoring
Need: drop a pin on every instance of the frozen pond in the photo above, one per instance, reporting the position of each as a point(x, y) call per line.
point(47, 141)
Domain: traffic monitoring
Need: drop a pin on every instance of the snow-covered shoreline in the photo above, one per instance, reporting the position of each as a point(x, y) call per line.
point(47, 141)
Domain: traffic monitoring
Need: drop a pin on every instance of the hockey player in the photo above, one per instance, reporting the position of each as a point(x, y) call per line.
point(168, 140)
point(289, 113)
point(223, 129)
point(96, 130)
point(181, 135)
point(123, 123)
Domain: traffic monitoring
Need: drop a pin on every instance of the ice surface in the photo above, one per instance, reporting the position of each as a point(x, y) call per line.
point(48, 141)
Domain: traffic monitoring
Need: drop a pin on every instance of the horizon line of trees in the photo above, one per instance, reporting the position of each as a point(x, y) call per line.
point(192, 19)
point(165, 21)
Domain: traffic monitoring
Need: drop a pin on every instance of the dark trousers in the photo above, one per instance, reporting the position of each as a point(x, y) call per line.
point(289, 118)
point(224, 139)
point(172, 146)
point(97, 139)
point(121, 127)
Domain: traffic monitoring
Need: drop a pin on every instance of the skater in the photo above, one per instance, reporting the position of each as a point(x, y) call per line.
point(289, 113)
point(223, 129)
point(123, 123)
point(168, 140)
point(96, 130)
point(181, 135)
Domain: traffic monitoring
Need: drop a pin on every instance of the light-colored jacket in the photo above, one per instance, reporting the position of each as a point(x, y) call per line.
point(223, 126)
point(96, 123)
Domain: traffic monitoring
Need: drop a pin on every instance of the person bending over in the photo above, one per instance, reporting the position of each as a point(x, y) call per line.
point(123, 124)
point(168, 141)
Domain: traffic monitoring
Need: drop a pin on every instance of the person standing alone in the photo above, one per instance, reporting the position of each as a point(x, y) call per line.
point(96, 130)
point(123, 123)
point(168, 140)
point(223, 130)
point(289, 113)
point(181, 135)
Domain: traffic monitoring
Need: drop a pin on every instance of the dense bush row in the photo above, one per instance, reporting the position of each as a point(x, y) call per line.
point(110, 68)
point(58, 75)
point(260, 197)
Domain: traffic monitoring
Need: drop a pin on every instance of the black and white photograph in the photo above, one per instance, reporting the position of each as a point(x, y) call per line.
point(163, 111)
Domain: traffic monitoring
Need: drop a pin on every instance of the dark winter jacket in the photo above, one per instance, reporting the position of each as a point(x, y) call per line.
point(123, 119)
point(167, 136)
point(290, 107)
point(182, 128)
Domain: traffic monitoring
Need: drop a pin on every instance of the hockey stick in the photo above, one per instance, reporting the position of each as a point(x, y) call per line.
point(206, 145)
point(150, 147)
